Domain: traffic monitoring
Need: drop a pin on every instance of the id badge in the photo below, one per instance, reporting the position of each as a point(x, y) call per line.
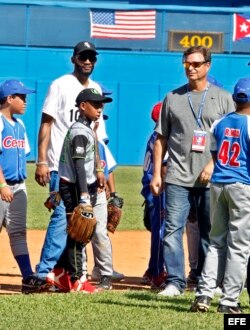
point(199, 141)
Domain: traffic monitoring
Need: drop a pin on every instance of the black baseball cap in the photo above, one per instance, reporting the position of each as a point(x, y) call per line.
point(91, 94)
point(84, 46)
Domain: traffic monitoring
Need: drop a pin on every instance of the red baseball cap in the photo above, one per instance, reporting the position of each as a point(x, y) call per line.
point(156, 111)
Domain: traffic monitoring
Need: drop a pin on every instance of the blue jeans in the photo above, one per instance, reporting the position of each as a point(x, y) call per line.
point(55, 240)
point(178, 202)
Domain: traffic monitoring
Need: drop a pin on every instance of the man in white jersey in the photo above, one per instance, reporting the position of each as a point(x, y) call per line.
point(58, 114)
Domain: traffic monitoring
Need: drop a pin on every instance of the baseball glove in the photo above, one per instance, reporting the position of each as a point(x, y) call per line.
point(82, 223)
point(53, 200)
point(115, 205)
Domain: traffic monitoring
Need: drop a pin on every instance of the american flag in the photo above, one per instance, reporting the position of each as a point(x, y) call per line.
point(241, 27)
point(123, 24)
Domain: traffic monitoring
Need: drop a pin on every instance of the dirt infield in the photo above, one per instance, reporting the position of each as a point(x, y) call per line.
point(130, 257)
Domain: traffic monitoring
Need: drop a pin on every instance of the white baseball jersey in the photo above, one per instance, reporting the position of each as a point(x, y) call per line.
point(60, 104)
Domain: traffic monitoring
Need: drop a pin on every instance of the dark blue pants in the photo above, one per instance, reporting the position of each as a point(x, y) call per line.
point(156, 212)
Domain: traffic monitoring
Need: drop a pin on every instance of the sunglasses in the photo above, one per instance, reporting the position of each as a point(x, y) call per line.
point(84, 57)
point(195, 65)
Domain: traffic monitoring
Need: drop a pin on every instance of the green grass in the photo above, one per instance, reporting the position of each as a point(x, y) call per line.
point(128, 186)
point(123, 310)
point(108, 310)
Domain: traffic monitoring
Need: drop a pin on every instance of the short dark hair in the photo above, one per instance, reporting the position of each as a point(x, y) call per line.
point(3, 100)
point(198, 49)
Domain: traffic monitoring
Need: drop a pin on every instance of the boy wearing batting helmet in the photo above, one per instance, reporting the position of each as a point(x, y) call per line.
point(230, 207)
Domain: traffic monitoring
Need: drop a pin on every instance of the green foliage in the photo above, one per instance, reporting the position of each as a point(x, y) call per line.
point(38, 215)
point(107, 310)
point(128, 186)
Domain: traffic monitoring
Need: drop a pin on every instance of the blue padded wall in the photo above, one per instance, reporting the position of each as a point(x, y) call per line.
point(36, 41)
point(138, 80)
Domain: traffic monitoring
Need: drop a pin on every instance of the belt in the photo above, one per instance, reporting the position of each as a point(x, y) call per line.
point(90, 186)
point(12, 183)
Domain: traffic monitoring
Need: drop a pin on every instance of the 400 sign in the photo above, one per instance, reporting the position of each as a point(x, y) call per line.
point(181, 40)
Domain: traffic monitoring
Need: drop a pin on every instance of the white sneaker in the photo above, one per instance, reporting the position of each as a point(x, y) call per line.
point(170, 291)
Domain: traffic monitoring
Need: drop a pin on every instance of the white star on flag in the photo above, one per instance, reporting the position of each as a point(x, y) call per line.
point(244, 27)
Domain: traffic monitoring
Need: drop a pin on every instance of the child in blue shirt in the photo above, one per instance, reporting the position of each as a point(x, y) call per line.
point(230, 207)
point(14, 147)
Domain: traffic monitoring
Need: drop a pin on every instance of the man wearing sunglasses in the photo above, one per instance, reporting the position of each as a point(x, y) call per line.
point(186, 117)
point(58, 114)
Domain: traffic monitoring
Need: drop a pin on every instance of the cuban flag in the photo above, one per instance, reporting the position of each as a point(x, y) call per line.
point(241, 28)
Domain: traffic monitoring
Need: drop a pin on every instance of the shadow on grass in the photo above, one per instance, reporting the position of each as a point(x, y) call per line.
point(149, 300)
point(173, 304)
